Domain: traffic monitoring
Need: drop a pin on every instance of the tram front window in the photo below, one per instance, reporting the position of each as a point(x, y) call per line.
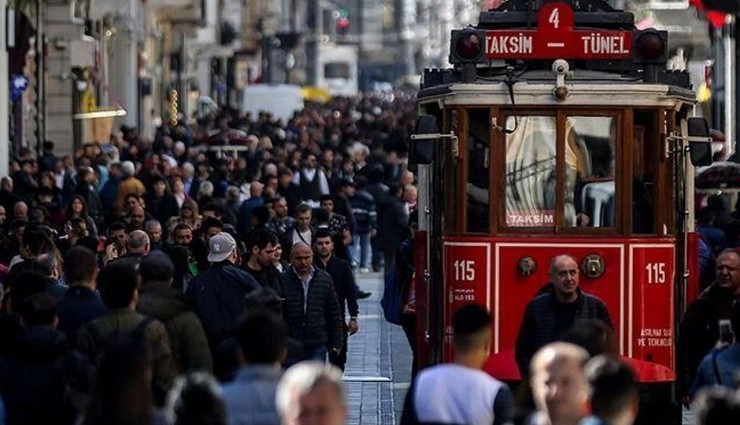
point(531, 171)
point(589, 158)
point(588, 191)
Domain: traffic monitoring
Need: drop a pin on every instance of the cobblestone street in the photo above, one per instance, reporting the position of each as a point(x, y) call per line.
point(379, 362)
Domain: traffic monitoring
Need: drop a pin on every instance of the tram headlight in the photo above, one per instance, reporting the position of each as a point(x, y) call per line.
point(650, 46)
point(467, 46)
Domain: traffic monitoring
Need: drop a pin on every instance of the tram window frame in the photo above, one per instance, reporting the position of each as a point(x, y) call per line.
point(561, 115)
point(452, 168)
point(618, 144)
point(503, 118)
point(467, 152)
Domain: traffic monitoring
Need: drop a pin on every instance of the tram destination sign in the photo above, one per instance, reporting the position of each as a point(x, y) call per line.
point(555, 38)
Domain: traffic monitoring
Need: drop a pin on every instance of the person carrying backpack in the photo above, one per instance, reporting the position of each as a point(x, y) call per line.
point(118, 283)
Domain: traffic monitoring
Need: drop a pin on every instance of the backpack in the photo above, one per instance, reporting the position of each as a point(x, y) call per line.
point(391, 301)
point(100, 341)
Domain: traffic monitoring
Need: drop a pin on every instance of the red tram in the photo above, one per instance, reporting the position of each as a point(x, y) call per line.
point(558, 130)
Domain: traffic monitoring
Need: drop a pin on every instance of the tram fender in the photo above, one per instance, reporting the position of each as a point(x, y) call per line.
point(502, 366)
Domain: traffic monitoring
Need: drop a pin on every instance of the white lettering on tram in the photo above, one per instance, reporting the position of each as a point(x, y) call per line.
point(525, 219)
point(509, 44)
point(595, 44)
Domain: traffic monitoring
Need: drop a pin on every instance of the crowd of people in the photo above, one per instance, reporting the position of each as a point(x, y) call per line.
point(207, 276)
point(171, 280)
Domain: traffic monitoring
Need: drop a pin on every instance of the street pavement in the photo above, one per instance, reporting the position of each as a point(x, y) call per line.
point(378, 367)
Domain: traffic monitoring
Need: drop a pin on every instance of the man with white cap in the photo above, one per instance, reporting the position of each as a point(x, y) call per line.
point(218, 294)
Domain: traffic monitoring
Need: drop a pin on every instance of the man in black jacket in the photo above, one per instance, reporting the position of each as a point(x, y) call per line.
point(219, 294)
point(551, 313)
point(344, 283)
point(699, 331)
point(311, 306)
point(261, 248)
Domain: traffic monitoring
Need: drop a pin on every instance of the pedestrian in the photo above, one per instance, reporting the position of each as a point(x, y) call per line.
point(717, 406)
point(393, 219)
point(312, 393)
point(218, 294)
point(460, 392)
point(119, 282)
point(81, 302)
point(721, 367)
point(556, 309)
point(195, 399)
point(250, 397)
point(281, 222)
point(363, 208)
point(559, 385)
point(260, 251)
point(613, 393)
point(38, 378)
point(311, 306)
point(699, 329)
point(122, 394)
point(188, 342)
point(302, 232)
point(344, 284)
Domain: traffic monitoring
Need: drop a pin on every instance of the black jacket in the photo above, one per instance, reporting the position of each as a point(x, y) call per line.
point(392, 223)
point(538, 325)
point(79, 306)
point(218, 296)
point(699, 332)
point(321, 323)
point(344, 283)
point(35, 380)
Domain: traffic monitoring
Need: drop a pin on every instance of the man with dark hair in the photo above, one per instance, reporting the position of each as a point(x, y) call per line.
point(555, 310)
point(119, 282)
point(190, 350)
point(182, 235)
point(282, 221)
point(250, 397)
point(81, 303)
point(311, 180)
point(261, 249)
point(337, 222)
point(48, 265)
point(344, 284)
point(613, 391)
point(302, 232)
point(118, 236)
point(219, 293)
point(460, 392)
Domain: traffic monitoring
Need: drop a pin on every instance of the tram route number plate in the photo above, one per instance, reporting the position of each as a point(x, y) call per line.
point(555, 38)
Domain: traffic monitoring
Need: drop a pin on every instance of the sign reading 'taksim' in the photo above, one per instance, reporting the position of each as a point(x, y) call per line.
point(555, 38)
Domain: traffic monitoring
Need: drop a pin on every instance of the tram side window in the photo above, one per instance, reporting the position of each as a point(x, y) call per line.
point(478, 180)
point(531, 173)
point(643, 177)
point(589, 171)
